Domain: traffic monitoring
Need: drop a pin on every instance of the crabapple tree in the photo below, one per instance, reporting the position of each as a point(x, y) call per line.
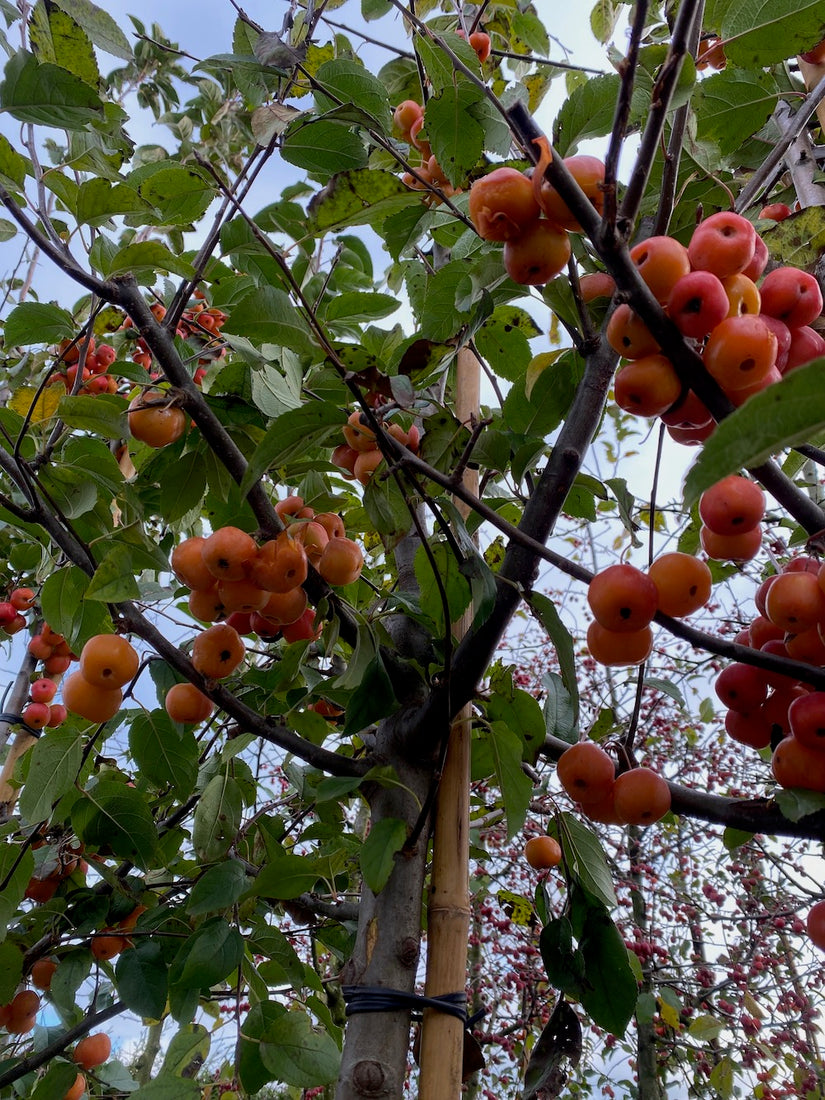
point(410, 465)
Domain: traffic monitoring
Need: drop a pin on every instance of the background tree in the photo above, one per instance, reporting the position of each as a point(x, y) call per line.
point(229, 831)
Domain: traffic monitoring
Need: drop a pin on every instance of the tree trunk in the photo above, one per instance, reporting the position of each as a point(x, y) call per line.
point(376, 1045)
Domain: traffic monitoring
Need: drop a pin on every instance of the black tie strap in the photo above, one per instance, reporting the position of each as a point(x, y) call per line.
point(377, 998)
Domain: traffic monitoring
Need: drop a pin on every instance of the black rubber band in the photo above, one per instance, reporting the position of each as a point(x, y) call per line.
point(16, 720)
point(377, 998)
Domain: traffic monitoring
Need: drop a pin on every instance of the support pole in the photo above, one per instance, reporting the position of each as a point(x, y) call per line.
point(448, 909)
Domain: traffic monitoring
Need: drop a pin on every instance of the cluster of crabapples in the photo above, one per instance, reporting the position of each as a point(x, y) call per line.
point(12, 619)
point(54, 651)
point(409, 127)
point(749, 336)
point(359, 455)
point(624, 601)
point(531, 218)
point(259, 588)
point(587, 773)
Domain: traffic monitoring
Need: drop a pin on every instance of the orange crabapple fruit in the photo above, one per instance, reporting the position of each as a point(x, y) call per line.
point(95, 704)
point(806, 717)
point(731, 506)
point(405, 114)
point(281, 564)
point(588, 172)
point(697, 304)
point(595, 285)
point(743, 295)
point(23, 1010)
point(792, 296)
point(795, 602)
point(628, 334)
point(502, 204)
point(93, 1050)
point(227, 553)
point(542, 852)
point(753, 728)
point(795, 765)
point(153, 421)
point(538, 254)
point(741, 687)
point(724, 243)
point(740, 351)
point(683, 583)
point(109, 661)
point(736, 548)
point(661, 262)
point(205, 604)
point(586, 772)
point(77, 1089)
point(619, 649)
point(648, 386)
point(815, 925)
point(622, 598)
point(188, 564)
point(358, 434)
point(640, 796)
point(185, 703)
point(341, 561)
point(217, 651)
point(756, 268)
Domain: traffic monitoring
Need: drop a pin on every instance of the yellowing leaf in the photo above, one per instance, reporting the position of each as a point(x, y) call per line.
point(516, 906)
point(538, 364)
point(45, 408)
point(669, 1014)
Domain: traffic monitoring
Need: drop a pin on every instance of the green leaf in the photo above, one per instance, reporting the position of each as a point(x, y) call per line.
point(549, 400)
point(560, 1040)
point(218, 817)
point(99, 25)
point(53, 769)
point(207, 957)
point(98, 200)
point(296, 1053)
point(731, 105)
point(114, 579)
point(588, 112)
point(373, 698)
point(16, 868)
point(503, 341)
point(345, 81)
point(323, 147)
point(56, 37)
point(610, 988)
point(585, 860)
point(62, 599)
point(56, 1082)
point(563, 962)
point(251, 1069)
point(385, 840)
point(721, 1078)
point(286, 876)
point(179, 194)
point(102, 414)
point(358, 306)
point(166, 754)
point(218, 888)
point(456, 138)
point(37, 323)
point(315, 424)
point(142, 979)
point(799, 239)
point(388, 507)
point(784, 414)
point(562, 641)
point(516, 788)
point(144, 260)
point(166, 1087)
point(358, 197)
point(267, 316)
point(796, 803)
point(438, 65)
point(115, 818)
point(735, 838)
point(11, 970)
point(759, 33)
point(560, 716)
point(47, 95)
point(440, 579)
point(704, 1029)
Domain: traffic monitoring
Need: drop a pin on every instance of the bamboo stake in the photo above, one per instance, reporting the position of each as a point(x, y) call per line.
point(448, 909)
point(23, 740)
